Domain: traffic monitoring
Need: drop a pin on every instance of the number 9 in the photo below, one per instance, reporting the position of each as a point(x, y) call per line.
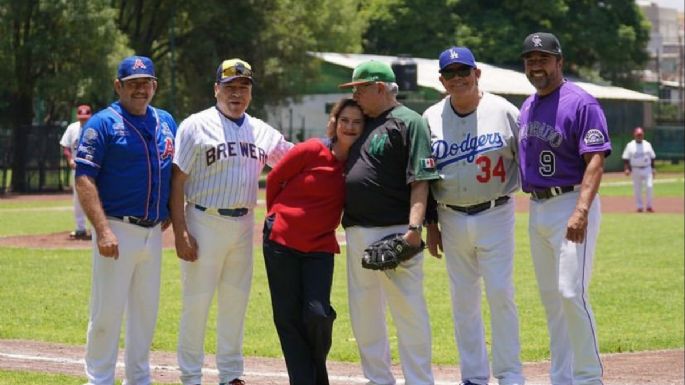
point(547, 161)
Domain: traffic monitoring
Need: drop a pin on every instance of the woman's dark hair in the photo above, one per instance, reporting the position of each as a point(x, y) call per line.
point(335, 114)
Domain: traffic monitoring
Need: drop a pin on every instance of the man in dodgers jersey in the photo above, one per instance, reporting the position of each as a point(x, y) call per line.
point(123, 178)
point(638, 161)
point(221, 152)
point(562, 145)
point(474, 140)
point(386, 188)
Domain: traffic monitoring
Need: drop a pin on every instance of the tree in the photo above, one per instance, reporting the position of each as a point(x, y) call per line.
point(56, 52)
point(601, 39)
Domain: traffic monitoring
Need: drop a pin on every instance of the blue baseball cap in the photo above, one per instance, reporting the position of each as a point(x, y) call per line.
point(461, 55)
point(134, 67)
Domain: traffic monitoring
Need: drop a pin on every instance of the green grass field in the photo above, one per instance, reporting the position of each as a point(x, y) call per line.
point(637, 289)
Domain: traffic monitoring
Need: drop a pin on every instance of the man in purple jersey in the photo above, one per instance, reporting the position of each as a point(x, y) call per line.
point(562, 145)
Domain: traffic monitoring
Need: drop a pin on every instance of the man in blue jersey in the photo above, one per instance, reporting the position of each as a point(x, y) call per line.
point(123, 180)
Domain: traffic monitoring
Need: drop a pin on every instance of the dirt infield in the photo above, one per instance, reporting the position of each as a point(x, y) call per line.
point(659, 367)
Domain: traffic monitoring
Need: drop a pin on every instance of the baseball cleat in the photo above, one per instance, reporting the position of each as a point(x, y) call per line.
point(80, 234)
point(650, 210)
point(235, 381)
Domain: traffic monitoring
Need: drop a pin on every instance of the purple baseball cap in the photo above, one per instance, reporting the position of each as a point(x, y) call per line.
point(461, 55)
point(134, 67)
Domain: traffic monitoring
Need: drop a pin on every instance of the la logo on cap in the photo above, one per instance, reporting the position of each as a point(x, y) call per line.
point(454, 54)
point(138, 64)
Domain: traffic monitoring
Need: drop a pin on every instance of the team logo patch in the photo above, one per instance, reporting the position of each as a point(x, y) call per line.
point(537, 42)
point(594, 137)
point(138, 64)
point(428, 163)
point(119, 129)
point(89, 135)
point(168, 148)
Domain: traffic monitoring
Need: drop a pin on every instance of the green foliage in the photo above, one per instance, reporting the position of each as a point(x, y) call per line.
point(58, 52)
point(604, 39)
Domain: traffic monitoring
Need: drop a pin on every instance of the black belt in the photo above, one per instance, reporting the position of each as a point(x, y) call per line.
point(640, 166)
point(225, 212)
point(551, 192)
point(137, 221)
point(475, 209)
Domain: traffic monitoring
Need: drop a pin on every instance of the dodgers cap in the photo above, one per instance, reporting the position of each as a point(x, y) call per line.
point(134, 67)
point(461, 55)
point(233, 68)
point(370, 71)
point(541, 42)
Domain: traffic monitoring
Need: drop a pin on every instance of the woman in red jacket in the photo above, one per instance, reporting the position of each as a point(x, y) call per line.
point(305, 193)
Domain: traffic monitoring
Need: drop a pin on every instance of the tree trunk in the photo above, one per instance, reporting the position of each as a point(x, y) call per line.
point(22, 110)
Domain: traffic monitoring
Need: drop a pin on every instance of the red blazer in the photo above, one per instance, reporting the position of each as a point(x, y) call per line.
point(306, 192)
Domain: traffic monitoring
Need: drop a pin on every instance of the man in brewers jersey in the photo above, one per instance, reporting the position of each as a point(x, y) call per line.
point(474, 140)
point(562, 145)
point(386, 187)
point(221, 152)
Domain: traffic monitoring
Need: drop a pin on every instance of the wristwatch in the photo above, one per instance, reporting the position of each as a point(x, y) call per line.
point(416, 228)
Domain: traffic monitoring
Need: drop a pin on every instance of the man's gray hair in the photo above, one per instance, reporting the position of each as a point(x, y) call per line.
point(392, 87)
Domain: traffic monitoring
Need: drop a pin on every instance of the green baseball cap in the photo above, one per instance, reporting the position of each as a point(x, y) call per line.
point(370, 71)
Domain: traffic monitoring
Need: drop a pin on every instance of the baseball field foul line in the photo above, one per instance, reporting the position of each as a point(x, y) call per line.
point(167, 368)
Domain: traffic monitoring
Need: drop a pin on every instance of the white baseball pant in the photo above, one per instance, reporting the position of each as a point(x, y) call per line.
point(130, 282)
point(563, 271)
point(402, 290)
point(642, 175)
point(224, 265)
point(79, 215)
point(476, 246)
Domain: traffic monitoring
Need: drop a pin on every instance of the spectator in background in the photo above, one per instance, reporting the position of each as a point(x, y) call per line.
point(69, 143)
point(638, 161)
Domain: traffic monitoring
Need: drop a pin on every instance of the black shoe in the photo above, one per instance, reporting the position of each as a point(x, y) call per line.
point(80, 234)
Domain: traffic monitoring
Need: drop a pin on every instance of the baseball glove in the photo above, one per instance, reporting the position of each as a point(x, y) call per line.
point(388, 252)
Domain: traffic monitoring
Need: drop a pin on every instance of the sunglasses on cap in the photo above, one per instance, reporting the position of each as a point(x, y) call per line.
point(236, 70)
point(461, 72)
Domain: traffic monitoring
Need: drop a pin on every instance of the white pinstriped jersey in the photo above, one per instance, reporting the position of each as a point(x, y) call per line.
point(223, 160)
point(476, 154)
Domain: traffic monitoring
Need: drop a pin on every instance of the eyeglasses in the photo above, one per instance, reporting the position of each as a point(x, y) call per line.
point(461, 72)
point(236, 70)
point(360, 87)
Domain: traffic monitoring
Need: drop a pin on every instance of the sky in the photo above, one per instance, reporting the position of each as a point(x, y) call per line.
point(676, 4)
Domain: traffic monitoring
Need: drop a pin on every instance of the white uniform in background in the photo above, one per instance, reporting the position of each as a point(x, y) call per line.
point(476, 158)
point(223, 161)
point(640, 156)
point(70, 140)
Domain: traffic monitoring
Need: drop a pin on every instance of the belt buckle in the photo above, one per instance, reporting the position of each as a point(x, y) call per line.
point(555, 191)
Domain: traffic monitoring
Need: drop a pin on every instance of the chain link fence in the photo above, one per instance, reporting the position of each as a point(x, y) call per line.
point(46, 170)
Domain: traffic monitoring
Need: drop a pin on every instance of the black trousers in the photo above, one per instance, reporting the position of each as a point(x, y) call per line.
point(300, 286)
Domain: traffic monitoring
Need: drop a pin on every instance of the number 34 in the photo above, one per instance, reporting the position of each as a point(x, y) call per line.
point(487, 171)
